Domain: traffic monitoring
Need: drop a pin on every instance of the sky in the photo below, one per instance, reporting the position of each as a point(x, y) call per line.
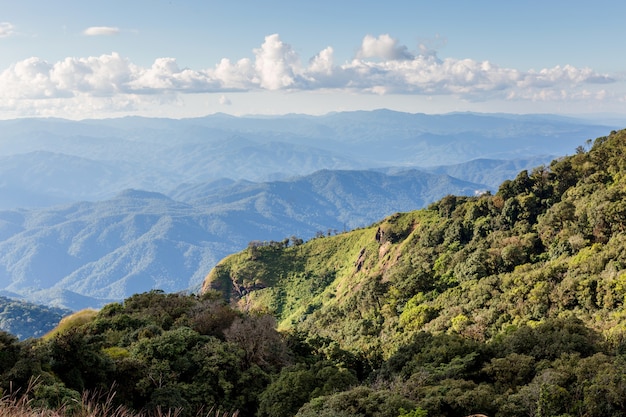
point(187, 58)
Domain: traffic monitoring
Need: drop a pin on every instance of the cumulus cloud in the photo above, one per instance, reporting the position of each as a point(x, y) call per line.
point(276, 64)
point(101, 31)
point(384, 47)
point(381, 66)
point(105, 75)
point(165, 75)
point(322, 63)
point(36, 78)
point(238, 76)
point(6, 29)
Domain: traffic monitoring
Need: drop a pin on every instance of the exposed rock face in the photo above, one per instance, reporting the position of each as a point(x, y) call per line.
point(242, 290)
point(359, 262)
point(380, 235)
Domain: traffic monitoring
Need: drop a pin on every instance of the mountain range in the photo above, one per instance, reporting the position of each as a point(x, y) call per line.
point(97, 210)
point(46, 162)
point(90, 253)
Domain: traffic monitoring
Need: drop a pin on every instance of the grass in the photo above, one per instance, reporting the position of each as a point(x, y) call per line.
point(22, 405)
point(73, 320)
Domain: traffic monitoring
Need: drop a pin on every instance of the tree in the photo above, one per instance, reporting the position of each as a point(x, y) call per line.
point(287, 393)
point(359, 401)
point(78, 360)
point(258, 337)
point(9, 351)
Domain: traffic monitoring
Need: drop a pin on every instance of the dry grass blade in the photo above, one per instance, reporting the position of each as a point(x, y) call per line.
point(20, 404)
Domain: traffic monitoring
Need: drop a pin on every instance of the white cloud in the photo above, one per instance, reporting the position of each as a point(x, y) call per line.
point(105, 75)
point(276, 64)
point(322, 63)
point(382, 66)
point(238, 76)
point(98, 76)
point(101, 31)
point(28, 79)
point(384, 47)
point(165, 75)
point(567, 75)
point(6, 29)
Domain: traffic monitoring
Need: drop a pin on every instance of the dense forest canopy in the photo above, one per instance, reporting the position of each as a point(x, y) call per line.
point(506, 304)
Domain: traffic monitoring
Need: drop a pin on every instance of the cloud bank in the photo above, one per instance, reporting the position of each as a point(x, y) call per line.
point(381, 66)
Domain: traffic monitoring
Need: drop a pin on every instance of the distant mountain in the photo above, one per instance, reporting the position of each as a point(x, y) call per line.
point(43, 178)
point(25, 320)
point(91, 253)
point(51, 161)
point(491, 172)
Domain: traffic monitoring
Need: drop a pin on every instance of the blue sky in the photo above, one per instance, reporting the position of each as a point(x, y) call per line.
point(175, 58)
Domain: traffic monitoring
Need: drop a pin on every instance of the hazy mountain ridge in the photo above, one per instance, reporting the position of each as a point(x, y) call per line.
point(491, 172)
point(160, 154)
point(90, 253)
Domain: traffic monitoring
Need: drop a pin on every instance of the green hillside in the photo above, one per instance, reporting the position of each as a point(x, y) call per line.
point(549, 244)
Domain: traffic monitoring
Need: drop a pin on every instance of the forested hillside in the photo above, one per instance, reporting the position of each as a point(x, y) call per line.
point(546, 253)
point(549, 243)
point(509, 304)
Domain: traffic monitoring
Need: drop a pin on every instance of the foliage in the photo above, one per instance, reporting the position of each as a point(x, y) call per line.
point(296, 385)
point(159, 351)
point(72, 321)
point(360, 401)
point(58, 401)
point(531, 273)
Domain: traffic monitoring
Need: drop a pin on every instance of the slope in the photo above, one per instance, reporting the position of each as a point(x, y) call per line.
point(549, 244)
